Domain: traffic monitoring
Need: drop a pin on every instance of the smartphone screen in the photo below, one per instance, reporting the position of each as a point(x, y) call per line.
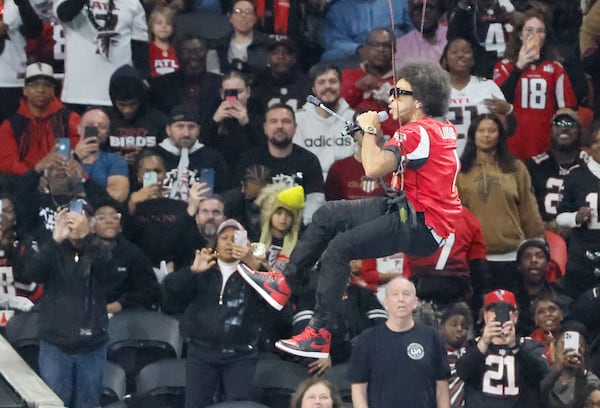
point(63, 147)
point(240, 237)
point(90, 131)
point(207, 176)
point(571, 340)
point(150, 178)
point(76, 206)
point(230, 95)
point(502, 312)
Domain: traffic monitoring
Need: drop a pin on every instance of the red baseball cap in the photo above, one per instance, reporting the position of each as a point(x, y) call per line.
point(500, 296)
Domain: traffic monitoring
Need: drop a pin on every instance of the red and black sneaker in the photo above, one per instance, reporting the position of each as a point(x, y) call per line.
point(310, 343)
point(270, 285)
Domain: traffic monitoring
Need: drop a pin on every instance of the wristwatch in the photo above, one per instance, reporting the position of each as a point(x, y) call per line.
point(370, 129)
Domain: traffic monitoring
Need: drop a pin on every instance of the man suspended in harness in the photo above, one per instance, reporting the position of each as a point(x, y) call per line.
point(419, 211)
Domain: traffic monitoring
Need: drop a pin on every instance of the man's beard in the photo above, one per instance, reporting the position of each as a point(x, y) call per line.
point(209, 229)
point(281, 143)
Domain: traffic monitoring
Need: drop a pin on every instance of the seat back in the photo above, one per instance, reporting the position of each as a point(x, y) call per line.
point(162, 373)
point(140, 337)
point(22, 332)
point(558, 252)
point(338, 377)
point(113, 384)
point(160, 384)
point(277, 380)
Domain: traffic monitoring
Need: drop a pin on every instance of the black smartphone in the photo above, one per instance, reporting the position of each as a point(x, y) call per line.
point(230, 95)
point(502, 312)
point(90, 131)
point(63, 147)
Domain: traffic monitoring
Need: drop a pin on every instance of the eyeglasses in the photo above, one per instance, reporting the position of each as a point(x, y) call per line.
point(396, 92)
point(243, 12)
point(563, 123)
point(107, 217)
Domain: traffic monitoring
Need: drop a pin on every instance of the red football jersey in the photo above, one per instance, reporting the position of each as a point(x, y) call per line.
point(430, 176)
point(466, 244)
point(162, 61)
point(540, 91)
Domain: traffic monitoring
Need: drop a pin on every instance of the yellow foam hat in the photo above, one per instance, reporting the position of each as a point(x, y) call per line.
point(292, 197)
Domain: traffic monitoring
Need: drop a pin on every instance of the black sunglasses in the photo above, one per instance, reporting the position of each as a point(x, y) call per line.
point(396, 92)
point(563, 123)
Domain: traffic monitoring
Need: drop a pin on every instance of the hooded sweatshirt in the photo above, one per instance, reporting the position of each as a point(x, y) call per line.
point(38, 136)
point(147, 127)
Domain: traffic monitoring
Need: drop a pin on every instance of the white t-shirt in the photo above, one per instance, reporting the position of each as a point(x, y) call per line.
point(92, 56)
point(13, 60)
point(322, 136)
point(467, 103)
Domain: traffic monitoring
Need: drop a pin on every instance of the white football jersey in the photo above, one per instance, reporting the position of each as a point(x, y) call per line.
point(13, 60)
point(467, 103)
point(92, 55)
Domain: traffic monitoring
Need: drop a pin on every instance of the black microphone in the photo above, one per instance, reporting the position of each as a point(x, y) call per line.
point(350, 127)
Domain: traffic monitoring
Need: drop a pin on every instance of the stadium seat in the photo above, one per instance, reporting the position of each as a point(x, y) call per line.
point(277, 380)
point(113, 384)
point(160, 384)
point(338, 376)
point(21, 332)
point(140, 337)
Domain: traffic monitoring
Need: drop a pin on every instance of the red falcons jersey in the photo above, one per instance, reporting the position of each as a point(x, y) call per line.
point(540, 91)
point(162, 61)
point(432, 167)
point(452, 260)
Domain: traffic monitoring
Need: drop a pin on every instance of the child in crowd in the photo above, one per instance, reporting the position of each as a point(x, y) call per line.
point(455, 328)
point(163, 59)
point(280, 215)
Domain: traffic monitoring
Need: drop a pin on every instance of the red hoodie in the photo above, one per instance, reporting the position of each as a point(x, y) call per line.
point(37, 140)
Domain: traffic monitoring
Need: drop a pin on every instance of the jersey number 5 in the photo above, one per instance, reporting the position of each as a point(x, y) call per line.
point(500, 378)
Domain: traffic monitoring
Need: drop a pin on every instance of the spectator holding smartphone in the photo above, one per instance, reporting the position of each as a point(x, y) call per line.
point(29, 136)
point(233, 128)
point(569, 382)
point(76, 270)
point(498, 365)
point(107, 169)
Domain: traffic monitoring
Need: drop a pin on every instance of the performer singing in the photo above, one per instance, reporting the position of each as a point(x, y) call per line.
point(417, 215)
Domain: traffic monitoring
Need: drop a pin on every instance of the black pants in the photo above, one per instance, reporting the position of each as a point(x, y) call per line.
point(206, 376)
point(347, 230)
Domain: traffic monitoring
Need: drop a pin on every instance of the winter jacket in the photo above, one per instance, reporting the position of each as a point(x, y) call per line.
point(73, 307)
point(38, 137)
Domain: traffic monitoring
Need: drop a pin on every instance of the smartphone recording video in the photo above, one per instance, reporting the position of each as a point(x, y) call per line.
point(150, 178)
point(240, 237)
point(502, 312)
point(76, 206)
point(230, 95)
point(63, 147)
point(571, 340)
point(90, 131)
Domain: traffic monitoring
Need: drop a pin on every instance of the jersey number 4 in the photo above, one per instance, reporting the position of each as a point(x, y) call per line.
point(500, 378)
